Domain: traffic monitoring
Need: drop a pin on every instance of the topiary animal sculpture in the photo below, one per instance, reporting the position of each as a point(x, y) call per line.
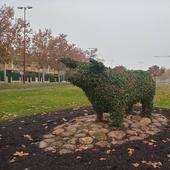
point(112, 90)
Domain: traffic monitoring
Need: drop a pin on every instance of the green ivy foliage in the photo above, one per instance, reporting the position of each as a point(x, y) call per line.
point(113, 90)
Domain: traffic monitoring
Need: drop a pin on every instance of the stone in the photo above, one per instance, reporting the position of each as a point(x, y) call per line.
point(120, 142)
point(104, 130)
point(71, 129)
point(65, 139)
point(57, 144)
point(125, 125)
point(91, 133)
point(157, 124)
point(65, 151)
point(73, 141)
point(117, 134)
point(161, 119)
point(85, 147)
point(48, 136)
point(145, 121)
point(127, 121)
point(97, 126)
point(50, 140)
point(135, 125)
point(131, 132)
point(106, 126)
point(90, 146)
point(156, 130)
point(50, 149)
point(102, 144)
point(67, 134)
point(98, 135)
point(84, 131)
point(43, 144)
point(131, 138)
point(86, 140)
point(58, 131)
point(80, 135)
point(136, 118)
point(144, 128)
point(150, 132)
point(69, 147)
point(143, 135)
point(114, 142)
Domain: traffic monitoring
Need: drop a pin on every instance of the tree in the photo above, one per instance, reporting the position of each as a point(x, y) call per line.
point(156, 71)
point(11, 36)
point(19, 41)
point(40, 48)
point(6, 35)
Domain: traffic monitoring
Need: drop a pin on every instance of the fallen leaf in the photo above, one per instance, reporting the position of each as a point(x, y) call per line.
point(130, 151)
point(103, 159)
point(65, 120)
point(150, 143)
point(78, 157)
point(153, 164)
point(113, 150)
point(168, 139)
point(26, 169)
point(143, 162)
point(28, 137)
point(12, 160)
point(153, 141)
point(135, 164)
point(108, 151)
point(21, 154)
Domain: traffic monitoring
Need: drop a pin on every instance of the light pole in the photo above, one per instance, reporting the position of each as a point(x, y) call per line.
point(92, 52)
point(24, 8)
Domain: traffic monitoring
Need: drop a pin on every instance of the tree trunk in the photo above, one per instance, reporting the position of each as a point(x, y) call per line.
point(59, 77)
point(5, 73)
point(43, 76)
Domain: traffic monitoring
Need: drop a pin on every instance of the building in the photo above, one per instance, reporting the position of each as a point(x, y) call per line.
point(14, 73)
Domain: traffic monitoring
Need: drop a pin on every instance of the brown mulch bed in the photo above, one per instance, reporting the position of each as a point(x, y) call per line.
point(34, 127)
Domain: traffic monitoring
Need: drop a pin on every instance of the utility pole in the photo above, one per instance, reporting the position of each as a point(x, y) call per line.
point(24, 62)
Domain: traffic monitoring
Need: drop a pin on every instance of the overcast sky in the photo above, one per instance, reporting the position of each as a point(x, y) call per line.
point(126, 32)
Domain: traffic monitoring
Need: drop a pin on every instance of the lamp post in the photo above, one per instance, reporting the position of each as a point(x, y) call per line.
point(24, 8)
point(92, 52)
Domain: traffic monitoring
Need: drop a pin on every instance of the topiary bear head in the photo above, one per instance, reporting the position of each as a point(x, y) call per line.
point(84, 75)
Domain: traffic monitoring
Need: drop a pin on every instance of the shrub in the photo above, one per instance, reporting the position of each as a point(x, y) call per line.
point(112, 90)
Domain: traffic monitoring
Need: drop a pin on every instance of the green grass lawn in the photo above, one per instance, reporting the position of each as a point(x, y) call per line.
point(162, 98)
point(27, 85)
point(20, 103)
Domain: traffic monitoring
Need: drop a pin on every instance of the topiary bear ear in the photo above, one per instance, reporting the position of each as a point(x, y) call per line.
point(96, 66)
point(69, 62)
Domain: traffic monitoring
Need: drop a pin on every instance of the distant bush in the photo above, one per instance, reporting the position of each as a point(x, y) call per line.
point(112, 90)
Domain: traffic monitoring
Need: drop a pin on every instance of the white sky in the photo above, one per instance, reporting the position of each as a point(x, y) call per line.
point(126, 32)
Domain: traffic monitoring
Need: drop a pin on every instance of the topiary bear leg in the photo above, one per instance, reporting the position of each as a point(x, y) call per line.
point(129, 109)
point(99, 117)
point(116, 117)
point(147, 107)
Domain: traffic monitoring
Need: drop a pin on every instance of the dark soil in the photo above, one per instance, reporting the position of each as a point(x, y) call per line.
point(12, 139)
